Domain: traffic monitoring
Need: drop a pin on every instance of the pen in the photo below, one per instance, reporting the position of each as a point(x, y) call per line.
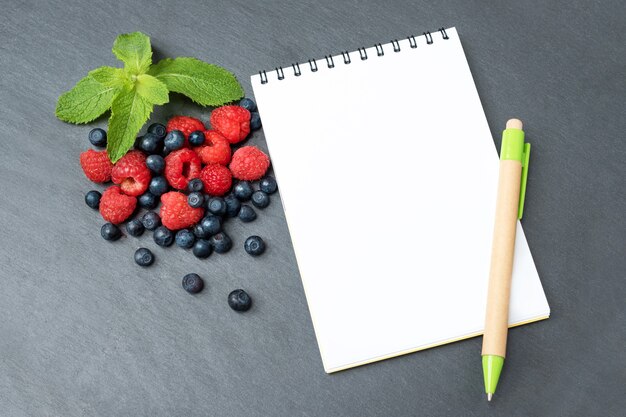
point(514, 156)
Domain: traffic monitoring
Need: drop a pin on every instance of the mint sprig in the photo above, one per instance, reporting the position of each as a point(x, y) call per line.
point(132, 92)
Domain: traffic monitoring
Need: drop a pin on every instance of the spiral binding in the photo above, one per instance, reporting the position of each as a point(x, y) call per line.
point(330, 62)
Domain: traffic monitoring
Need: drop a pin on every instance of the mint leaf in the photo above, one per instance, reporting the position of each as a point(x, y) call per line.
point(86, 101)
point(111, 77)
point(129, 111)
point(206, 84)
point(151, 89)
point(134, 50)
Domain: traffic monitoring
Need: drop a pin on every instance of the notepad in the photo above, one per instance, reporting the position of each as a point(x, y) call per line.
point(387, 172)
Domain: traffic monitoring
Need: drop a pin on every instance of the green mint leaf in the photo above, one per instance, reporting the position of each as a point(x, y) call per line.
point(151, 89)
point(134, 50)
point(206, 84)
point(129, 111)
point(86, 101)
point(111, 77)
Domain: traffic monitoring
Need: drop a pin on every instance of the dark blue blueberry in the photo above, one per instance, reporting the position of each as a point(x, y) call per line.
point(196, 138)
point(247, 214)
point(195, 185)
point(158, 186)
point(163, 236)
point(151, 220)
point(151, 143)
point(211, 224)
point(268, 185)
point(158, 129)
point(217, 206)
point(233, 205)
point(148, 200)
point(98, 137)
point(221, 242)
point(134, 228)
point(254, 245)
point(155, 163)
point(248, 104)
point(202, 249)
point(109, 231)
point(195, 200)
point(239, 300)
point(260, 199)
point(137, 144)
point(185, 239)
point(243, 190)
point(199, 232)
point(92, 199)
point(174, 140)
point(144, 257)
point(255, 121)
point(192, 283)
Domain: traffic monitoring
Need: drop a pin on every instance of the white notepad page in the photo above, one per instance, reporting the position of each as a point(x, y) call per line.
point(387, 171)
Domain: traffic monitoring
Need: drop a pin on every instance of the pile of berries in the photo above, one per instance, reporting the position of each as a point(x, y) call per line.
point(186, 171)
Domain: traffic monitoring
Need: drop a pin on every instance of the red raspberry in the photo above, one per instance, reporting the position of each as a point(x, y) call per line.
point(216, 149)
point(176, 213)
point(96, 165)
point(185, 124)
point(217, 179)
point(181, 166)
point(231, 121)
point(116, 207)
point(249, 163)
point(132, 173)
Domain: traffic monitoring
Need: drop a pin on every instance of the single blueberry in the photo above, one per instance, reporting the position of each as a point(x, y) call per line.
point(211, 224)
point(192, 283)
point(185, 239)
point(199, 232)
point(148, 200)
point(163, 236)
point(92, 199)
point(144, 257)
point(202, 249)
point(98, 137)
point(247, 214)
point(158, 129)
point(158, 186)
point(260, 199)
point(109, 231)
point(233, 205)
point(174, 140)
point(151, 220)
point(248, 104)
point(196, 138)
point(239, 300)
point(155, 163)
point(151, 143)
point(217, 206)
point(195, 185)
point(243, 190)
point(137, 144)
point(268, 185)
point(255, 121)
point(134, 228)
point(221, 242)
point(254, 245)
point(195, 200)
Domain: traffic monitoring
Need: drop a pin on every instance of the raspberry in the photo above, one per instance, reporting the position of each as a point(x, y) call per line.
point(116, 207)
point(249, 163)
point(96, 165)
point(176, 213)
point(132, 173)
point(185, 124)
point(181, 166)
point(231, 121)
point(217, 179)
point(216, 149)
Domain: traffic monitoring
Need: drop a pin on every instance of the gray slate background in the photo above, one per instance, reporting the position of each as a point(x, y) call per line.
point(84, 332)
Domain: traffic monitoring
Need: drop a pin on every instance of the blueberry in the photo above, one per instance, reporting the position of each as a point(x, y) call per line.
point(192, 283)
point(268, 185)
point(196, 138)
point(92, 199)
point(144, 257)
point(158, 186)
point(151, 143)
point(195, 185)
point(211, 224)
point(148, 200)
point(98, 137)
point(243, 190)
point(174, 140)
point(233, 205)
point(247, 214)
point(109, 231)
point(185, 239)
point(195, 200)
point(155, 163)
point(260, 199)
point(199, 232)
point(138, 142)
point(163, 236)
point(248, 104)
point(151, 220)
point(134, 228)
point(221, 242)
point(158, 129)
point(254, 245)
point(202, 249)
point(239, 300)
point(255, 121)
point(217, 206)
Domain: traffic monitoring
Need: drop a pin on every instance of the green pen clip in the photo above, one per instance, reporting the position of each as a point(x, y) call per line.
point(522, 190)
point(514, 148)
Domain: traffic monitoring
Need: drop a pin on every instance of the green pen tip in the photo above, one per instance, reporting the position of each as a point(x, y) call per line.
point(492, 367)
